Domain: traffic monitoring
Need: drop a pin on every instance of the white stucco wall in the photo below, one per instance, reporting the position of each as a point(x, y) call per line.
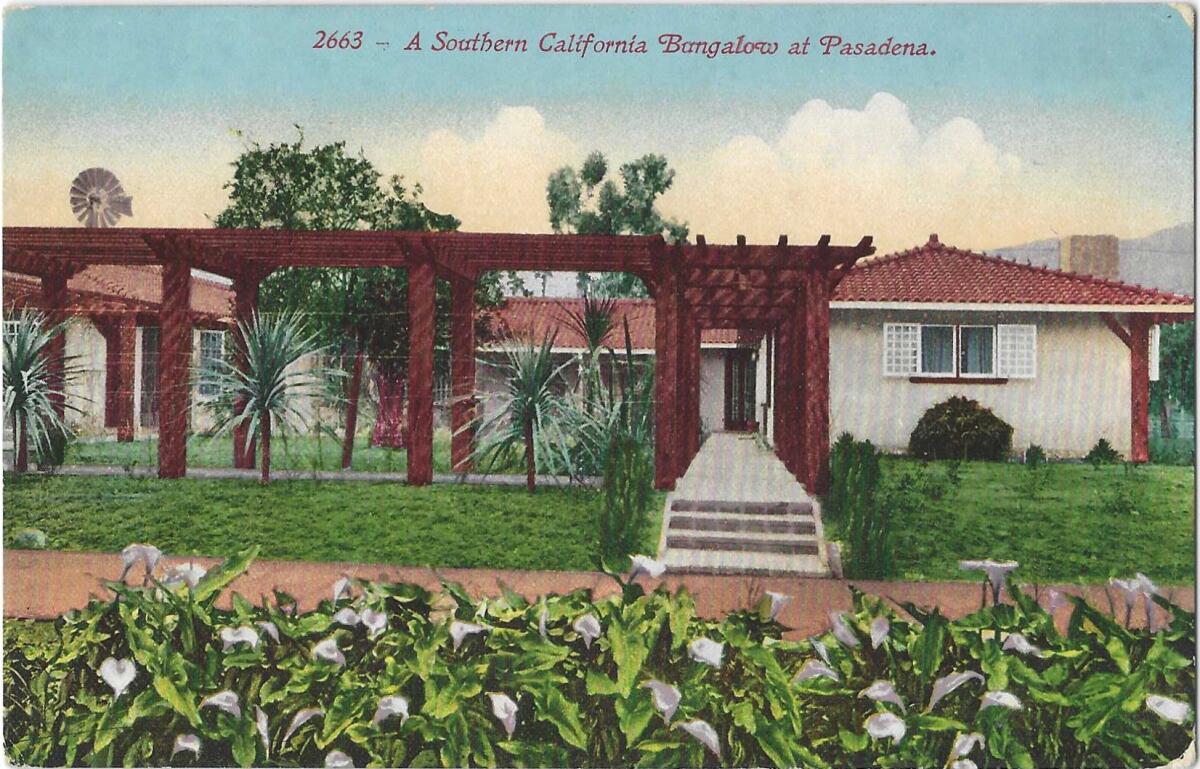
point(85, 389)
point(712, 389)
point(1080, 393)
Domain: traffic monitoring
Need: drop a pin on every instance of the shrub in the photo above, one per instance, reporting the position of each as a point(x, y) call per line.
point(960, 428)
point(581, 702)
point(1102, 454)
point(625, 516)
point(29, 539)
point(841, 457)
point(1035, 455)
point(868, 523)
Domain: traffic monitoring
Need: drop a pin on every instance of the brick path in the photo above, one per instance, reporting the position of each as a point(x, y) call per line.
point(44, 584)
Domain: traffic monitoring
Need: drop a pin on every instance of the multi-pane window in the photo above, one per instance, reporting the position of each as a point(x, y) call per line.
point(10, 327)
point(1016, 356)
point(940, 350)
point(976, 351)
point(212, 351)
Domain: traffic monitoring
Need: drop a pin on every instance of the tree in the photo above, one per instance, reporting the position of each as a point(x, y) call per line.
point(1176, 372)
point(30, 389)
point(352, 312)
point(585, 202)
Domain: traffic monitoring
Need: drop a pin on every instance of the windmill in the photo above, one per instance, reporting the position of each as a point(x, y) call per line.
point(97, 198)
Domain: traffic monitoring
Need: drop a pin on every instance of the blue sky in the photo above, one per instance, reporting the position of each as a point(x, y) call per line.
point(1085, 112)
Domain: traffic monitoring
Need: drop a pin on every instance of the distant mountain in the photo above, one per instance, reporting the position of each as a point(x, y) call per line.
point(1165, 260)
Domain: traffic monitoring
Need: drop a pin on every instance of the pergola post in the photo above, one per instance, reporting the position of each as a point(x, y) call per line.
point(694, 367)
point(462, 373)
point(245, 304)
point(421, 321)
point(786, 395)
point(1139, 388)
point(814, 465)
point(666, 373)
point(174, 362)
point(54, 296)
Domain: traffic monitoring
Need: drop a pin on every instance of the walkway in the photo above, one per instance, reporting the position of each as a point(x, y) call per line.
point(737, 510)
point(44, 584)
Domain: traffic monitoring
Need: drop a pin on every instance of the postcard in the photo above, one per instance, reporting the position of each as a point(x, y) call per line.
point(594, 385)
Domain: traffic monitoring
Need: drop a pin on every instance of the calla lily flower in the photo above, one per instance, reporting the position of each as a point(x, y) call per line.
point(707, 651)
point(879, 631)
point(883, 691)
point(778, 602)
point(884, 725)
point(965, 743)
point(394, 705)
point(460, 630)
point(819, 647)
point(947, 684)
point(1164, 707)
point(232, 636)
point(336, 759)
point(341, 588)
point(300, 719)
point(588, 627)
point(186, 742)
point(149, 555)
point(644, 564)
point(1018, 643)
point(260, 723)
point(1056, 601)
point(328, 651)
point(816, 669)
point(189, 575)
point(1138, 587)
point(996, 571)
point(704, 734)
point(964, 763)
point(374, 621)
point(542, 618)
point(118, 674)
point(842, 631)
point(1000, 699)
point(505, 711)
point(665, 697)
point(270, 629)
point(347, 616)
point(226, 700)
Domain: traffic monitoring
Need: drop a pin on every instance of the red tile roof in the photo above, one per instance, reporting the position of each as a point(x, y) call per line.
point(939, 274)
point(110, 286)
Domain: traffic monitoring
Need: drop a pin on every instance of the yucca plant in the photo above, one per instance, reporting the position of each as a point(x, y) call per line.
point(594, 322)
point(29, 389)
point(529, 412)
point(265, 391)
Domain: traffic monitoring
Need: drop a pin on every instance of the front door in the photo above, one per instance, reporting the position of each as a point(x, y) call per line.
point(740, 381)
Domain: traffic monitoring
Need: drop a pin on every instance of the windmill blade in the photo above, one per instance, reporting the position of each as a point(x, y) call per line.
point(97, 198)
point(122, 204)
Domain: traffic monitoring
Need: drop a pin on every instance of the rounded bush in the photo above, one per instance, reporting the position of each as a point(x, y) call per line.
point(960, 428)
point(30, 539)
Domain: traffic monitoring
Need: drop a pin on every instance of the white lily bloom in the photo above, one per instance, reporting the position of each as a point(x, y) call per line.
point(778, 602)
point(300, 719)
point(816, 669)
point(1145, 585)
point(346, 616)
point(665, 697)
point(341, 588)
point(707, 651)
point(947, 684)
point(226, 700)
point(1000, 699)
point(505, 711)
point(374, 621)
point(1020, 644)
point(1056, 601)
point(1164, 707)
point(704, 734)
point(879, 631)
point(186, 742)
point(965, 743)
point(842, 631)
point(270, 629)
point(232, 636)
point(189, 575)
point(149, 555)
point(997, 571)
point(336, 759)
point(644, 564)
point(964, 763)
point(1129, 588)
point(118, 674)
point(328, 650)
point(884, 725)
point(588, 627)
point(260, 723)
point(542, 618)
point(460, 630)
point(394, 705)
point(819, 647)
point(883, 691)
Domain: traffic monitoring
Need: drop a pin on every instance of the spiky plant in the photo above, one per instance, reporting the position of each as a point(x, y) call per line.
point(265, 391)
point(529, 412)
point(30, 391)
point(594, 321)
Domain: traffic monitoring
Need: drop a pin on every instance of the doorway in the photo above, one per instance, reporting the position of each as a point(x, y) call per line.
point(740, 381)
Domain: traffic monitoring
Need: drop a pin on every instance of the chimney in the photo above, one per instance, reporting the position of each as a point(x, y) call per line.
point(1096, 255)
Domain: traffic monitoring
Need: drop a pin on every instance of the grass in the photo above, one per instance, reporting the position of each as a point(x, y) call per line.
point(1080, 524)
point(441, 525)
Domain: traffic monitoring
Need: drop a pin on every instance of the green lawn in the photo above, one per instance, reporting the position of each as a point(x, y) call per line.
point(1084, 523)
point(440, 525)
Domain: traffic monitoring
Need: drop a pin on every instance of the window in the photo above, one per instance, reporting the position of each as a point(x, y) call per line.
point(212, 351)
point(1007, 350)
point(10, 327)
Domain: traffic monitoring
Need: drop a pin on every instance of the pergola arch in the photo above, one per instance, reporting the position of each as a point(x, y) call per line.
point(781, 289)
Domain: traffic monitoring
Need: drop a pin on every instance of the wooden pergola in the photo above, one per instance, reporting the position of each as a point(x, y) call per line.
point(782, 289)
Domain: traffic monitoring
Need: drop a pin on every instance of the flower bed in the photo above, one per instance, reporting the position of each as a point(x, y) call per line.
point(395, 675)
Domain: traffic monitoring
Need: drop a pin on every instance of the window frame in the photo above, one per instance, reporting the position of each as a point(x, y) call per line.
point(961, 348)
point(203, 383)
point(997, 375)
point(953, 373)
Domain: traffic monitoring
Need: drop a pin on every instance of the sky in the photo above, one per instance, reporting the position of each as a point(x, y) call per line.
point(1027, 122)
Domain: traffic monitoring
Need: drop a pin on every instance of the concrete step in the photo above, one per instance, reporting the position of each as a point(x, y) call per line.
point(743, 542)
point(682, 561)
point(741, 506)
point(764, 524)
